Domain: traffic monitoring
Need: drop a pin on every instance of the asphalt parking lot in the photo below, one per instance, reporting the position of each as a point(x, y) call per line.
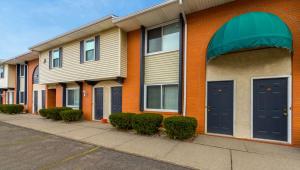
point(22, 148)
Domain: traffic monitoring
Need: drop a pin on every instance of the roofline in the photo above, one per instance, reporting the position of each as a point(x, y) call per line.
point(73, 30)
point(168, 2)
point(16, 57)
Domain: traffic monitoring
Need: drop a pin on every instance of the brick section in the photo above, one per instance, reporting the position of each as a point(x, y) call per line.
point(87, 101)
point(201, 27)
point(31, 67)
point(59, 97)
point(50, 98)
point(3, 97)
point(131, 85)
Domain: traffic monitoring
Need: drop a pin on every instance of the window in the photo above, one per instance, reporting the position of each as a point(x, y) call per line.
point(162, 97)
point(89, 50)
point(2, 71)
point(73, 97)
point(55, 58)
point(163, 39)
point(21, 97)
point(22, 70)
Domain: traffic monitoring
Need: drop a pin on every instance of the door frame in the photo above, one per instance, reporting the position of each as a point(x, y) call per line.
point(93, 102)
point(234, 109)
point(289, 105)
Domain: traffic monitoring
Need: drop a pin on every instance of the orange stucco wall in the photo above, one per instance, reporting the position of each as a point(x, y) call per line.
point(87, 101)
point(201, 27)
point(31, 67)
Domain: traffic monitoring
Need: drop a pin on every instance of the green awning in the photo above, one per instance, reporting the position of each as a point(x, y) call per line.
point(250, 31)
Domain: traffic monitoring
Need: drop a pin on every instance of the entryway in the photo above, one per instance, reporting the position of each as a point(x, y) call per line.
point(220, 107)
point(270, 109)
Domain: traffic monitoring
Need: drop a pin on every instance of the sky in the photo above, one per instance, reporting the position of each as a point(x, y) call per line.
point(24, 23)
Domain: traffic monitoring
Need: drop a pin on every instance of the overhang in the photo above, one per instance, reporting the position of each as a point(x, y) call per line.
point(250, 31)
point(81, 32)
point(31, 55)
point(164, 12)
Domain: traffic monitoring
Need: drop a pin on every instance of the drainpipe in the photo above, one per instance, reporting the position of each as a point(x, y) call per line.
point(184, 57)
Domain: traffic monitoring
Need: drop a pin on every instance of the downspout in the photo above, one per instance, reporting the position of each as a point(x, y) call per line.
point(184, 57)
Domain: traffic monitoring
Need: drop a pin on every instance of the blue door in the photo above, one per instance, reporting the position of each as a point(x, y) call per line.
point(116, 100)
point(270, 109)
point(98, 110)
point(220, 107)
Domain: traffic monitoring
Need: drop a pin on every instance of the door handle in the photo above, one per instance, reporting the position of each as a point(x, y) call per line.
point(285, 113)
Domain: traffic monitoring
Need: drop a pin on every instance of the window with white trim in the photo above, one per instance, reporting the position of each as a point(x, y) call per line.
point(89, 49)
point(21, 97)
point(163, 39)
point(1, 71)
point(55, 58)
point(72, 97)
point(162, 97)
point(22, 70)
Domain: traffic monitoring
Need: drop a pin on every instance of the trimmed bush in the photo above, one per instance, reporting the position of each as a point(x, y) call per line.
point(71, 115)
point(121, 120)
point(11, 108)
point(178, 127)
point(147, 123)
point(43, 112)
point(53, 113)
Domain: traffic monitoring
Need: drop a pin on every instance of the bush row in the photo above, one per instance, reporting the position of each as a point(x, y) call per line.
point(61, 113)
point(11, 108)
point(177, 127)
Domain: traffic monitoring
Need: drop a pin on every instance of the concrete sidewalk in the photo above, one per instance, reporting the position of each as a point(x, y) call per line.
point(205, 152)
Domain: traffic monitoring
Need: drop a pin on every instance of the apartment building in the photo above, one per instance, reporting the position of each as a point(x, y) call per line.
point(231, 64)
point(7, 82)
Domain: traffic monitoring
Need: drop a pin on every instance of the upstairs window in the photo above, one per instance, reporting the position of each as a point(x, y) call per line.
point(89, 50)
point(163, 39)
point(2, 71)
point(22, 70)
point(55, 58)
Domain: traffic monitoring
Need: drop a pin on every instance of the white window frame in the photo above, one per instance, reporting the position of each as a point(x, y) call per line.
point(67, 98)
point(84, 49)
point(22, 65)
point(157, 26)
point(161, 97)
point(52, 62)
point(21, 102)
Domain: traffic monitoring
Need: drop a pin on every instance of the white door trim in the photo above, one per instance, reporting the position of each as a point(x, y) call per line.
point(234, 108)
point(289, 103)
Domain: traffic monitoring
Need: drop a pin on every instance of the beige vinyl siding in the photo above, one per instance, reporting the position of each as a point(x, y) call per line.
point(11, 76)
point(123, 54)
point(106, 68)
point(162, 68)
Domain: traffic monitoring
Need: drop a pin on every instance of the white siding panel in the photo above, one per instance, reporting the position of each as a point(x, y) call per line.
point(162, 68)
point(72, 70)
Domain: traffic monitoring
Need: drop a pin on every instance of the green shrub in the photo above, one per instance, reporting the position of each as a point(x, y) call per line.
point(43, 112)
point(147, 123)
point(178, 127)
point(11, 108)
point(53, 113)
point(121, 120)
point(71, 115)
point(1, 108)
